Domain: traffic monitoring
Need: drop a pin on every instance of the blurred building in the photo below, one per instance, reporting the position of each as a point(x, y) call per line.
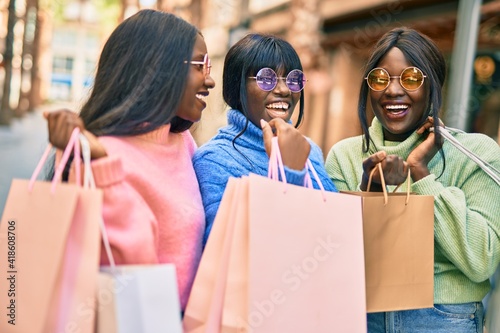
point(333, 38)
point(73, 53)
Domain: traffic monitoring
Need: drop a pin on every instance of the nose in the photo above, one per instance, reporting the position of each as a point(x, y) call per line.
point(281, 88)
point(394, 88)
point(209, 81)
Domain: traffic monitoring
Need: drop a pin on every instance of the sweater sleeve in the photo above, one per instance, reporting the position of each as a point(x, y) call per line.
point(344, 166)
point(467, 215)
point(125, 214)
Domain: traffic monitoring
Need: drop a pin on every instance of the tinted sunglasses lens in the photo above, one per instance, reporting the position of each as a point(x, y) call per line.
point(266, 79)
point(295, 80)
point(412, 78)
point(378, 79)
point(206, 65)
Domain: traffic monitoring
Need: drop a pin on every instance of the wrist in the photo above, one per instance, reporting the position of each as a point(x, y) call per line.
point(418, 172)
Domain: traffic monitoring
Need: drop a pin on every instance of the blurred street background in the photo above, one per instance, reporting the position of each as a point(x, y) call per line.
point(49, 51)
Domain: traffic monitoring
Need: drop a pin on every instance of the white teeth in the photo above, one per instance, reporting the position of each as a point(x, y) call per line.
point(396, 107)
point(278, 105)
point(200, 96)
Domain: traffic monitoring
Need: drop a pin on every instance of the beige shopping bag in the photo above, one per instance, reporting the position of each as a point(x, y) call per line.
point(398, 233)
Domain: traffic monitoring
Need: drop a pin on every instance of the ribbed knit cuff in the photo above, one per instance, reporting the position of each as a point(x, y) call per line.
point(107, 171)
point(295, 177)
point(427, 186)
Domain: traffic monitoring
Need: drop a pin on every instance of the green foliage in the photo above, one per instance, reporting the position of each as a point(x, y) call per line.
point(108, 11)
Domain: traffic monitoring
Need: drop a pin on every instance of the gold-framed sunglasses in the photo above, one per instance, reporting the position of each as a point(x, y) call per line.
point(411, 78)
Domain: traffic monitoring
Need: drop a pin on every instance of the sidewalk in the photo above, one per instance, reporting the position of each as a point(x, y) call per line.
point(21, 147)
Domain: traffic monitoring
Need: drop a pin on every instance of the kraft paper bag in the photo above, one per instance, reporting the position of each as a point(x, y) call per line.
point(138, 298)
point(49, 239)
point(399, 250)
point(204, 308)
point(296, 262)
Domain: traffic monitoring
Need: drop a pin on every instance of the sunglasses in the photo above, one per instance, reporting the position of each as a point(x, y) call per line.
point(411, 79)
point(267, 79)
point(207, 64)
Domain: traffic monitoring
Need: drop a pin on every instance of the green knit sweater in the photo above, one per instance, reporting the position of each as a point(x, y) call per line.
point(466, 207)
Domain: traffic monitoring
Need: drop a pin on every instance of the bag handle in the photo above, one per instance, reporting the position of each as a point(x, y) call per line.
point(488, 168)
point(384, 187)
point(276, 165)
point(89, 182)
point(72, 146)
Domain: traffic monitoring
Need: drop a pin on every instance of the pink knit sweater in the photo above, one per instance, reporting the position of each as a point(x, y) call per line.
point(152, 204)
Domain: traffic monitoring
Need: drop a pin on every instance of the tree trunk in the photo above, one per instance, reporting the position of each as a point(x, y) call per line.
point(36, 82)
point(129, 7)
point(28, 66)
point(5, 111)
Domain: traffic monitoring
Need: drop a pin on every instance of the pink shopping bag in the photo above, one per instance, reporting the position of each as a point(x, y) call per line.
point(49, 237)
point(204, 309)
point(294, 261)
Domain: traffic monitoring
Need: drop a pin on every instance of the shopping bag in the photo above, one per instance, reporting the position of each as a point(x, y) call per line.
point(295, 263)
point(398, 233)
point(49, 239)
point(136, 298)
point(204, 308)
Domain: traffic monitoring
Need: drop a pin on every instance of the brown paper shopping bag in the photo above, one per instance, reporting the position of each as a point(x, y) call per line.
point(398, 233)
point(49, 235)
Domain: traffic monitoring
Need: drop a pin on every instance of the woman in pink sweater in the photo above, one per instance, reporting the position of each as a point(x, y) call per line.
point(150, 87)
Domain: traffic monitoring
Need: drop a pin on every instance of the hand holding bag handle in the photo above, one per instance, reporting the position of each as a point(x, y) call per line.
point(70, 147)
point(276, 165)
point(384, 187)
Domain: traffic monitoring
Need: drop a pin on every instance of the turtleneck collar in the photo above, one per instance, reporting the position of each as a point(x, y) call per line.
point(251, 138)
point(378, 142)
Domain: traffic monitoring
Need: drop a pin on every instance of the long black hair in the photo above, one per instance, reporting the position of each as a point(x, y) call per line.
point(420, 51)
point(140, 78)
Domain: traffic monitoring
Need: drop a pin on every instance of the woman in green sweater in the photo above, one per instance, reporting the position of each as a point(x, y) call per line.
point(403, 81)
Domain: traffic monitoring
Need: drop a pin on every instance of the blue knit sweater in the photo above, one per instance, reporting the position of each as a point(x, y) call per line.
point(217, 160)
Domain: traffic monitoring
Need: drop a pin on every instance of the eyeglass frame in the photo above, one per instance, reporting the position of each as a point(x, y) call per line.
point(207, 64)
point(396, 76)
point(282, 78)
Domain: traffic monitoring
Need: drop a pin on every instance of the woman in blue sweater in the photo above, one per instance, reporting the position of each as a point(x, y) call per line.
point(262, 80)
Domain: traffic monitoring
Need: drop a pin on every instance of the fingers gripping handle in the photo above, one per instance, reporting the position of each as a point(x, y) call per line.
point(384, 187)
point(70, 147)
point(276, 166)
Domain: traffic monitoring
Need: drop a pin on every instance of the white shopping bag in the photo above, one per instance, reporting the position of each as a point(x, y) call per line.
point(138, 298)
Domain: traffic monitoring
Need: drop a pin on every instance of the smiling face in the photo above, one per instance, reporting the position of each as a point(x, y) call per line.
point(193, 100)
point(400, 111)
point(277, 103)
